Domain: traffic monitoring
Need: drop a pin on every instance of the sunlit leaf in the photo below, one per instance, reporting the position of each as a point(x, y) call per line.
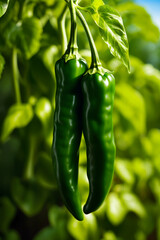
point(130, 109)
point(115, 209)
point(84, 3)
point(84, 230)
point(113, 33)
point(25, 35)
point(18, 116)
point(3, 7)
point(43, 110)
point(133, 204)
point(109, 236)
point(112, 30)
point(144, 169)
point(154, 186)
point(97, 3)
point(124, 170)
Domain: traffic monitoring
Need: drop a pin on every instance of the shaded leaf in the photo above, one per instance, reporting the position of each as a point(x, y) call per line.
point(50, 233)
point(18, 116)
point(7, 213)
point(25, 36)
point(56, 215)
point(3, 7)
point(12, 235)
point(29, 196)
point(44, 172)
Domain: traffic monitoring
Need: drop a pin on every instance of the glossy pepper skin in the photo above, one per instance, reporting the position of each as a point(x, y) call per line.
point(68, 131)
point(98, 96)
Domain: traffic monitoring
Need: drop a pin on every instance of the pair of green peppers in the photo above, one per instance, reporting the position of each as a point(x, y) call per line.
point(84, 102)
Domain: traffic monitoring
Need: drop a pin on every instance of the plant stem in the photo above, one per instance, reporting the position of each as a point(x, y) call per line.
point(95, 63)
point(61, 25)
point(16, 76)
point(72, 45)
point(28, 174)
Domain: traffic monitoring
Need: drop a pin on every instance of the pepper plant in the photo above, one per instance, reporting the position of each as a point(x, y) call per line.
point(33, 36)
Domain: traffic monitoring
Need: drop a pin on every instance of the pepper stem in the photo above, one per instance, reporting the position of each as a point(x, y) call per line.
point(95, 63)
point(28, 173)
point(61, 25)
point(16, 76)
point(72, 49)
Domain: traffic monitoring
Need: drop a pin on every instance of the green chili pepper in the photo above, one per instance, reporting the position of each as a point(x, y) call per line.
point(98, 97)
point(68, 130)
point(98, 86)
point(68, 123)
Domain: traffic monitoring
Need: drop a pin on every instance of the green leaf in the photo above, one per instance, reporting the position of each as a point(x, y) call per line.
point(84, 230)
point(109, 236)
point(112, 30)
point(3, 7)
point(28, 195)
point(8, 163)
point(97, 3)
point(42, 75)
point(2, 62)
point(18, 116)
point(115, 209)
point(12, 235)
point(25, 36)
point(44, 172)
point(50, 233)
point(43, 110)
point(124, 170)
point(130, 110)
point(113, 33)
point(57, 215)
point(154, 186)
point(142, 168)
point(133, 204)
point(7, 212)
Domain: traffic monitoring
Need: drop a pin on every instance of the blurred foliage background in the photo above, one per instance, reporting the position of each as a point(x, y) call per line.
point(30, 204)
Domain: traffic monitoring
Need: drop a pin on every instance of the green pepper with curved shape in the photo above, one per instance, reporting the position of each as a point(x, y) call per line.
point(68, 123)
point(98, 87)
point(68, 131)
point(98, 97)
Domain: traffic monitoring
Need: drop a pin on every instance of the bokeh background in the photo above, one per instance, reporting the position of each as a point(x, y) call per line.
point(30, 203)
